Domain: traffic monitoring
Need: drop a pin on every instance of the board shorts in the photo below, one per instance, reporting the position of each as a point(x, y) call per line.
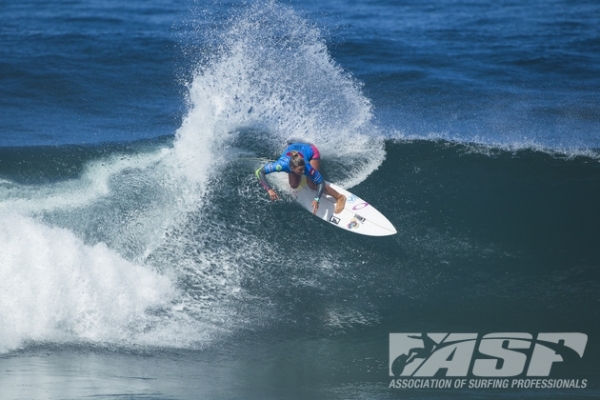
point(316, 154)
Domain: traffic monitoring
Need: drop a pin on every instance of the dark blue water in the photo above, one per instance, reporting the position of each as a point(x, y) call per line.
point(88, 72)
point(139, 257)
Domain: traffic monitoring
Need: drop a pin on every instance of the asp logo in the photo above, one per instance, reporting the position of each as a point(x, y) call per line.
point(491, 355)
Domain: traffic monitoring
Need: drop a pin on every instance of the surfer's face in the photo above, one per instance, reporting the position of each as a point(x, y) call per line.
point(298, 170)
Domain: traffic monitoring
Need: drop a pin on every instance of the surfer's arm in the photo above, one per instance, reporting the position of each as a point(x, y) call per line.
point(262, 178)
point(320, 190)
point(317, 178)
point(315, 202)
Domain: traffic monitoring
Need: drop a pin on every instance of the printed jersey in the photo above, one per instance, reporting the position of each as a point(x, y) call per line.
point(307, 152)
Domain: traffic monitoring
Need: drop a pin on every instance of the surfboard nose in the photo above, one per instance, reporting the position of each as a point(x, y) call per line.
point(388, 228)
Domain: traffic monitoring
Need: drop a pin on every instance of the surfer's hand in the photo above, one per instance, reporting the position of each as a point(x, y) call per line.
point(315, 205)
point(273, 195)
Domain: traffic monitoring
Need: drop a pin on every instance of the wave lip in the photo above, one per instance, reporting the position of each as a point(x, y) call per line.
point(479, 144)
point(271, 78)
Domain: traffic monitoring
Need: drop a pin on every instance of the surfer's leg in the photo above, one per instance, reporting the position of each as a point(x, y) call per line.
point(340, 199)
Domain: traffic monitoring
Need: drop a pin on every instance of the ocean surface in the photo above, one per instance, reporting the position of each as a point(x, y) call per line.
point(141, 259)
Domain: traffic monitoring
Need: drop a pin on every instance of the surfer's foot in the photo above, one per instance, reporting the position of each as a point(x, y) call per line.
point(340, 204)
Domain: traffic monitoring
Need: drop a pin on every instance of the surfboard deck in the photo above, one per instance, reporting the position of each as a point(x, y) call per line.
point(358, 216)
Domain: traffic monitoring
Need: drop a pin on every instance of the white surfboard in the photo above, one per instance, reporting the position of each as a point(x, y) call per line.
point(358, 216)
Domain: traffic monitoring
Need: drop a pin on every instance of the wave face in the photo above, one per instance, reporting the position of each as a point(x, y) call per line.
point(132, 252)
point(151, 243)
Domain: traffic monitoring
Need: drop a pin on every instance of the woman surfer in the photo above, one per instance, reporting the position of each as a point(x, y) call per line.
point(301, 159)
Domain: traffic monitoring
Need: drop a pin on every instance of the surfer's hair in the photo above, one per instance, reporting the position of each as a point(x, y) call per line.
point(296, 160)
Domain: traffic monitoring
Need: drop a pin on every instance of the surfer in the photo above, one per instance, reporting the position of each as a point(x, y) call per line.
point(301, 159)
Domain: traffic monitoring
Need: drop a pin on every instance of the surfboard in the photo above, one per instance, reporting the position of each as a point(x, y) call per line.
point(358, 216)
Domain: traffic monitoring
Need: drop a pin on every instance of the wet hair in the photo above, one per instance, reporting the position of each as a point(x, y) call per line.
point(296, 160)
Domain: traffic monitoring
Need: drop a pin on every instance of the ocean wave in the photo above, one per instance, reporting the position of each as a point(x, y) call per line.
point(482, 145)
point(137, 246)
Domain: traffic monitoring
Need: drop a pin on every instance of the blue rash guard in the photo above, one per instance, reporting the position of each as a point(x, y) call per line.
point(307, 152)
